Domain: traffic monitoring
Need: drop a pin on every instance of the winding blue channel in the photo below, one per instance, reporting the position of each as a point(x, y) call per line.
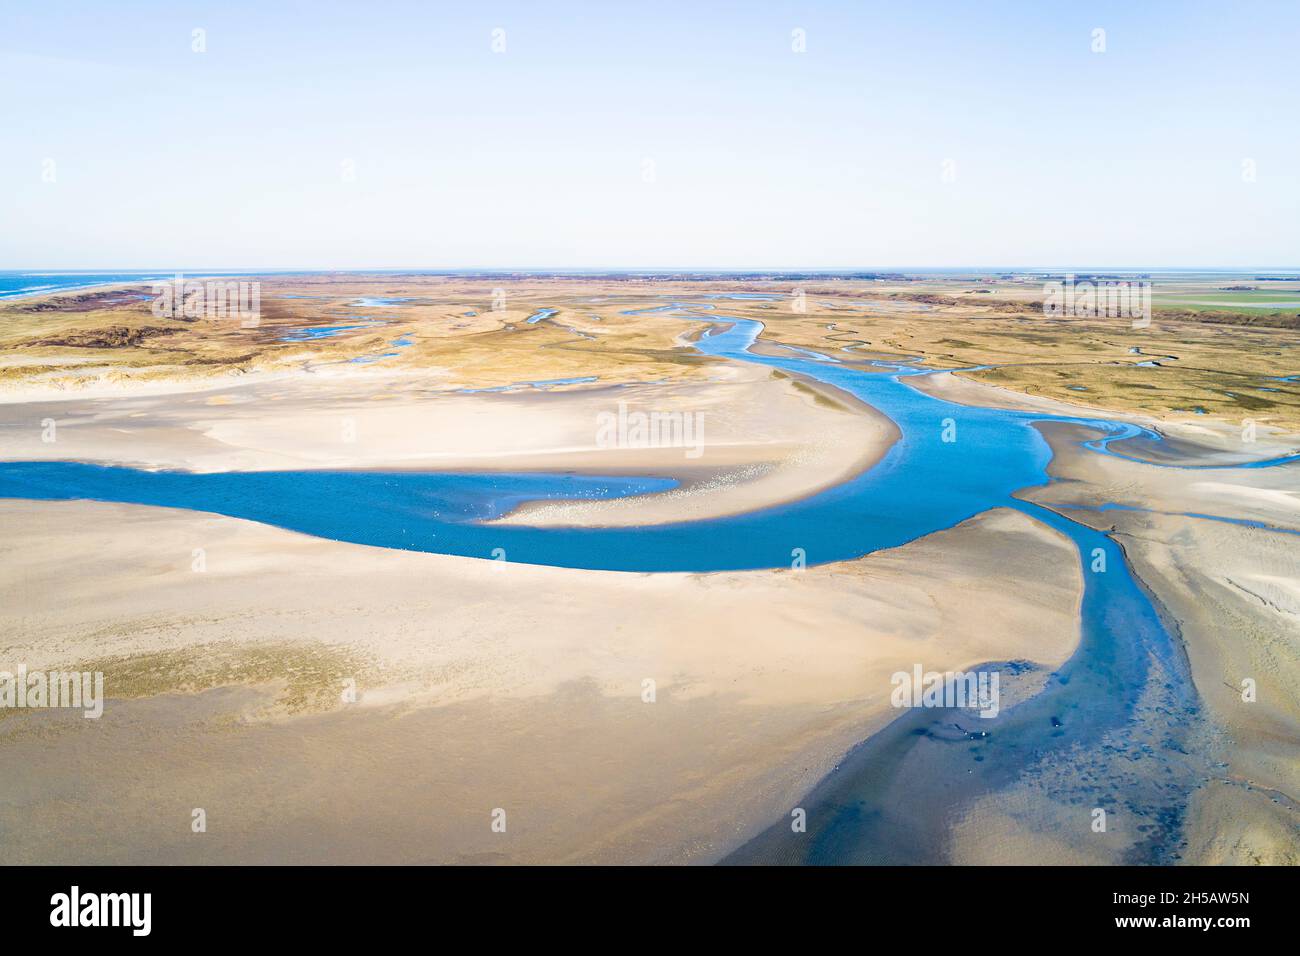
point(951, 462)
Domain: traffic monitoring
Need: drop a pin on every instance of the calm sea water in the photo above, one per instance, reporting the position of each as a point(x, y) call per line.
point(33, 283)
point(14, 284)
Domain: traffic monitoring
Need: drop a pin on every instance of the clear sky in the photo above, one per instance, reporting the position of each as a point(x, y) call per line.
point(386, 134)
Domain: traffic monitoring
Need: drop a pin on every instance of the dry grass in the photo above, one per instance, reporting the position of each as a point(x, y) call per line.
point(1223, 365)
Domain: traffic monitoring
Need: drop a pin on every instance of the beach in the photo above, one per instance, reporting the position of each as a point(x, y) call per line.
point(326, 700)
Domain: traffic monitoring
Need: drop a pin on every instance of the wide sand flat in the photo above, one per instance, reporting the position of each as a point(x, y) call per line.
point(757, 439)
point(481, 685)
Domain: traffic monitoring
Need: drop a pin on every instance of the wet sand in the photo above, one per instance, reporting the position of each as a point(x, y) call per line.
point(1233, 594)
point(1211, 547)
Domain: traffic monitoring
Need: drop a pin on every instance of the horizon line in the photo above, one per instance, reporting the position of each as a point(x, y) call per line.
point(640, 270)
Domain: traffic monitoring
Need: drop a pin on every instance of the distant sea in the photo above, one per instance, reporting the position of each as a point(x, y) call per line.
point(14, 284)
point(20, 283)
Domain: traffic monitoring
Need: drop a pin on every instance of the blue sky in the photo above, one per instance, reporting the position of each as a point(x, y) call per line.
point(333, 135)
